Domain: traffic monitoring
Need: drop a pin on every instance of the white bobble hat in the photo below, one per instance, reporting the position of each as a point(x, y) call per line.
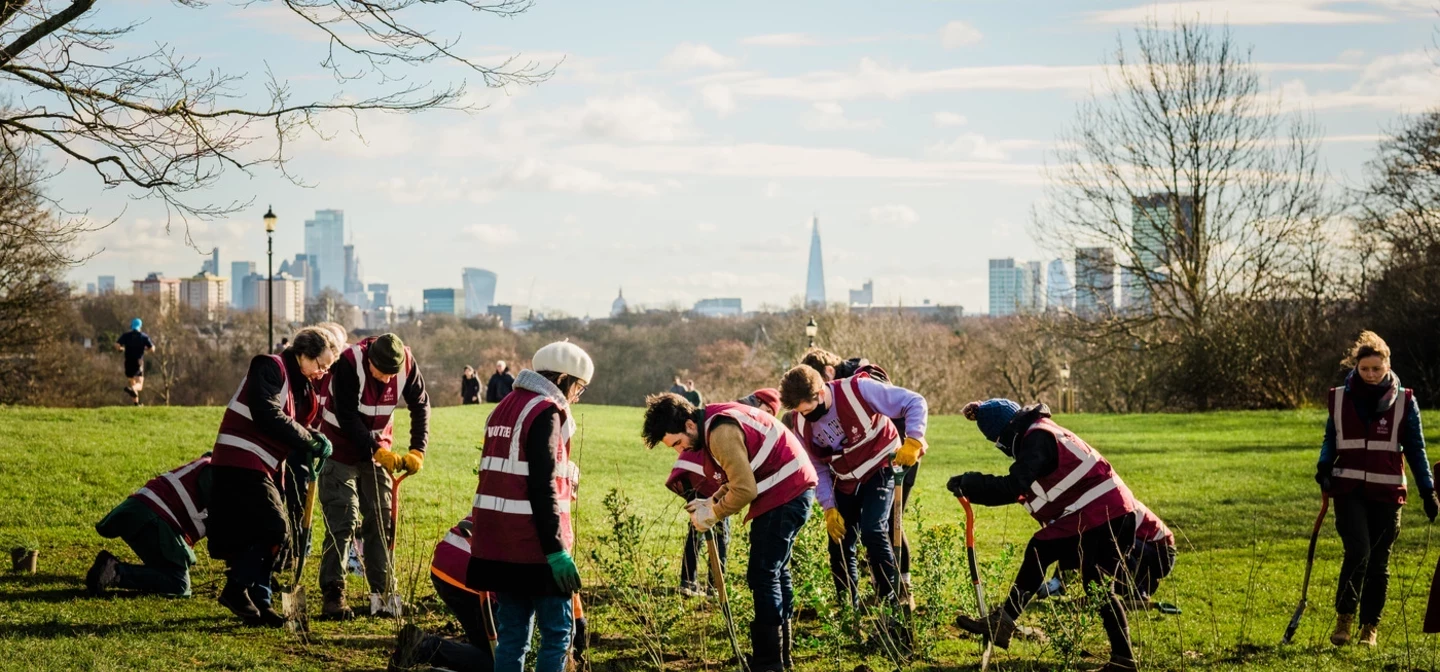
point(564, 357)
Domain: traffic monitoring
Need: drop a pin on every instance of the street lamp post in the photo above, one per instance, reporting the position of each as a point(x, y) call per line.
point(810, 330)
point(1065, 396)
point(270, 274)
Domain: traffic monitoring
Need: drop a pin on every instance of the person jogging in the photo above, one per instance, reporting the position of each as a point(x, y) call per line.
point(846, 429)
point(522, 505)
point(161, 522)
point(761, 465)
point(1087, 515)
point(266, 420)
point(1373, 429)
point(367, 383)
point(135, 344)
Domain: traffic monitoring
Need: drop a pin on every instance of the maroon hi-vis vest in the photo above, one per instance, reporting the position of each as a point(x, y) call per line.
point(869, 442)
point(1149, 528)
point(174, 496)
point(376, 403)
point(241, 443)
point(1082, 493)
point(1369, 459)
point(782, 471)
point(688, 476)
point(452, 558)
point(502, 505)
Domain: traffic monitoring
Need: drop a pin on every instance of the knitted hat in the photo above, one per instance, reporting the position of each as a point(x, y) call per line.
point(387, 354)
point(993, 415)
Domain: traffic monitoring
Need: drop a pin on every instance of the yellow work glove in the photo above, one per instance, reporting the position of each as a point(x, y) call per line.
point(387, 459)
point(835, 525)
point(909, 452)
point(412, 461)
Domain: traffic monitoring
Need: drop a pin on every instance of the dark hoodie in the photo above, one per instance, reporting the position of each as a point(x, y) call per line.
point(1035, 455)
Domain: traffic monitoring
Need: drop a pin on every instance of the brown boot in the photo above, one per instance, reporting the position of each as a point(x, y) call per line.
point(334, 607)
point(1369, 635)
point(998, 626)
point(1341, 636)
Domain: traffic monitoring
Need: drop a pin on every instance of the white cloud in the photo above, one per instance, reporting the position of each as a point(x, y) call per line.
point(978, 147)
point(1405, 82)
point(958, 34)
point(943, 119)
point(491, 234)
point(782, 40)
point(636, 117)
point(537, 175)
point(718, 98)
point(830, 116)
point(689, 56)
point(894, 216)
point(1247, 12)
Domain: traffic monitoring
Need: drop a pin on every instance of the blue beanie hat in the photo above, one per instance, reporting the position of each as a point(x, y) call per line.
point(135, 324)
point(993, 415)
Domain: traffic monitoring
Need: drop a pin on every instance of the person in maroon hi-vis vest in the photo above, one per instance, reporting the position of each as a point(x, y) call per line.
point(761, 465)
point(1374, 428)
point(367, 384)
point(521, 549)
point(161, 522)
point(266, 420)
point(846, 429)
point(1086, 514)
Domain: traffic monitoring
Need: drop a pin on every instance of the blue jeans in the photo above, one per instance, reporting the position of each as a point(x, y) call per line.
point(772, 537)
point(515, 616)
point(867, 521)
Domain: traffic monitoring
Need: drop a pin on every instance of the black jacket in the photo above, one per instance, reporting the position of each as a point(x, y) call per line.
point(470, 389)
point(268, 416)
point(499, 386)
point(345, 399)
point(1035, 456)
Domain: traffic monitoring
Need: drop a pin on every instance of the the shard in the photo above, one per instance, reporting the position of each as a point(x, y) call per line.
point(815, 276)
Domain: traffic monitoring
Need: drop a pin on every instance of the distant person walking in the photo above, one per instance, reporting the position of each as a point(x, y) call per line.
point(469, 387)
point(687, 390)
point(501, 382)
point(1373, 423)
point(135, 344)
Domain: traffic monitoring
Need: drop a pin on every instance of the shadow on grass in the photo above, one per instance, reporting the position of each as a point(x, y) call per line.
point(52, 630)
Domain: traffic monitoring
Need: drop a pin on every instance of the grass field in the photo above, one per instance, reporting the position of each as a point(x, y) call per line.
point(1236, 488)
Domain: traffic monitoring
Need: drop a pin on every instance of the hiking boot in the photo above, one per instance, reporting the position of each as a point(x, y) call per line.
point(333, 606)
point(1369, 635)
point(103, 574)
point(386, 605)
point(234, 598)
point(407, 645)
point(765, 642)
point(1118, 665)
point(787, 645)
point(1341, 636)
point(689, 589)
point(269, 618)
point(998, 626)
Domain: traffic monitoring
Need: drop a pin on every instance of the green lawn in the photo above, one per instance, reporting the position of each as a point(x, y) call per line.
point(1236, 488)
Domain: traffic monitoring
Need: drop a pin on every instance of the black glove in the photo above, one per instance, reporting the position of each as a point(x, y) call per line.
point(1322, 475)
point(956, 485)
point(1432, 507)
point(579, 641)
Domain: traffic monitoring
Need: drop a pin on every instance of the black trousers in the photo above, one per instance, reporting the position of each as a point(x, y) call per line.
point(469, 609)
point(1099, 553)
point(695, 546)
point(248, 527)
point(1368, 530)
point(902, 554)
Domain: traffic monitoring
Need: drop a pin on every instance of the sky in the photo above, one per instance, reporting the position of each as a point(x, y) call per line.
point(681, 149)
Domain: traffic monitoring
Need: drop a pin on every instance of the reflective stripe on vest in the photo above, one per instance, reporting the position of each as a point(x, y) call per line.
point(1343, 468)
point(243, 410)
point(687, 465)
point(249, 447)
point(872, 425)
point(773, 433)
point(516, 506)
point(1087, 462)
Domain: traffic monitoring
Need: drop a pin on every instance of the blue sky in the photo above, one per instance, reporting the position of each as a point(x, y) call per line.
point(681, 148)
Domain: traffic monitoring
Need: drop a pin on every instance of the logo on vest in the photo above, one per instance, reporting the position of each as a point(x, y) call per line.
point(502, 432)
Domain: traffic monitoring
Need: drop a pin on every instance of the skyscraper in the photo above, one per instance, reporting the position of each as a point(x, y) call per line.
point(1159, 226)
point(479, 285)
point(1058, 293)
point(354, 283)
point(379, 294)
point(105, 284)
point(325, 250)
point(211, 265)
point(1094, 282)
point(443, 301)
point(1034, 299)
point(1009, 287)
point(239, 270)
point(815, 276)
point(864, 296)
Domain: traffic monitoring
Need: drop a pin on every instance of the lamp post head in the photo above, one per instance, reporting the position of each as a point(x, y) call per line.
point(811, 328)
point(1065, 371)
point(270, 219)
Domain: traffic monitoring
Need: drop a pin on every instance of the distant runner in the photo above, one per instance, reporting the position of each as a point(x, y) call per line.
point(135, 343)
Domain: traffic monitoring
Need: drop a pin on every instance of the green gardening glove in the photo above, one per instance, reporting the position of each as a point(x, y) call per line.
point(320, 447)
point(562, 567)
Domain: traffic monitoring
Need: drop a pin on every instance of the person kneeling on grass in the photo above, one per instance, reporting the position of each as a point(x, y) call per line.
point(521, 552)
point(161, 522)
point(763, 466)
point(1086, 512)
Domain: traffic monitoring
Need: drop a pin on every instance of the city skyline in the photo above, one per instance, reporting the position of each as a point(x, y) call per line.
point(689, 166)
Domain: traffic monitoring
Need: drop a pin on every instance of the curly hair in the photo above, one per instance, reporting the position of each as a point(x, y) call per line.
point(665, 414)
point(1369, 344)
point(819, 358)
point(799, 385)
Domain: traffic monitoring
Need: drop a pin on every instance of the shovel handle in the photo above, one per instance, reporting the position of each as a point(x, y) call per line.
point(969, 522)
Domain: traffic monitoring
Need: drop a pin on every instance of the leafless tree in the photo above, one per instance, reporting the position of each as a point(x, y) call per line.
point(164, 126)
point(1203, 188)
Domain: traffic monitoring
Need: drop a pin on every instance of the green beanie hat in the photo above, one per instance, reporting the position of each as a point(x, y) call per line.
point(387, 353)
